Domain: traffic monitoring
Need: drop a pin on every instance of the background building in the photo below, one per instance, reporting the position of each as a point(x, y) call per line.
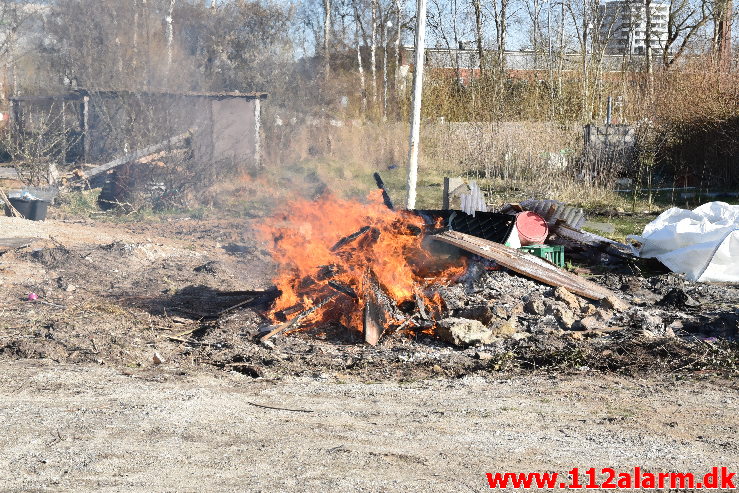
point(623, 26)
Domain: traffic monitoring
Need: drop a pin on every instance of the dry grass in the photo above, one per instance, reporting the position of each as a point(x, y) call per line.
point(511, 161)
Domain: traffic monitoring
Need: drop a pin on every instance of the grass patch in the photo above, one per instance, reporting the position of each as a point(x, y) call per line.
point(79, 203)
point(625, 224)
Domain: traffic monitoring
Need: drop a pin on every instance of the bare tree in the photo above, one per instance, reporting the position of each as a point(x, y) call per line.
point(170, 32)
point(477, 7)
point(685, 19)
point(648, 37)
point(327, 38)
point(360, 38)
point(398, 34)
point(501, 14)
point(373, 51)
point(722, 23)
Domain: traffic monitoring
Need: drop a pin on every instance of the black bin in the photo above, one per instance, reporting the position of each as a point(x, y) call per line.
point(35, 210)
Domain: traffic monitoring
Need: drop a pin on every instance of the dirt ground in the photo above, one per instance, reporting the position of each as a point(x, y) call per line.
point(85, 406)
point(87, 428)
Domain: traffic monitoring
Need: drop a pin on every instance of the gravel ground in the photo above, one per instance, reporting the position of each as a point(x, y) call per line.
point(91, 428)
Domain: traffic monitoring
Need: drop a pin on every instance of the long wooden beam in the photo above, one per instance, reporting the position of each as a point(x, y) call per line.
point(525, 264)
point(138, 154)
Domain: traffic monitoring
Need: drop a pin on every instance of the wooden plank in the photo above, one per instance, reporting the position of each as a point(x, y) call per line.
point(8, 205)
point(136, 155)
point(593, 240)
point(295, 321)
point(379, 309)
point(7, 244)
point(525, 264)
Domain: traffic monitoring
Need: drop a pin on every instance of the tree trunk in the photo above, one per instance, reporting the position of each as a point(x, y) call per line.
point(170, 33)
point(585, 21)
point(648, 36)
point(399, 25)
point(384, 70)
point(373, 52)
point(560, 68)
point(478, 34)
point(501, 34)
point(362, 83)
point(722, 33)
point(326, 39)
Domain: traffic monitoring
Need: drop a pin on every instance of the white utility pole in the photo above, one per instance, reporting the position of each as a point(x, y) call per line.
point(417, 95)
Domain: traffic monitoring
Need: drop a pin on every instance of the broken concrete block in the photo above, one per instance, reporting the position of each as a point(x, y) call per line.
point(567, 298)
point(648, 321)
point(613, 303)
point(588, 310)
point(477, 312)
point(590, 323)
point(502, 327)
point(535, 306)
point(564, 316)
point(604, 315)
point(500, 311)
point(465, 332)
point(516, 310)
point(484, 356)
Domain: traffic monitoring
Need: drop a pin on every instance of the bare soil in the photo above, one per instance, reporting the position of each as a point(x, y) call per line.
point(94, 428)
point(85, 406)
point(116, 293)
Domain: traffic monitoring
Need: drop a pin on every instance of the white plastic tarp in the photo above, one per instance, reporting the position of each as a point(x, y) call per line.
point(702, 243)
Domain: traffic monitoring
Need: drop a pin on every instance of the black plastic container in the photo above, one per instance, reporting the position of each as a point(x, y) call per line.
point(35, 210)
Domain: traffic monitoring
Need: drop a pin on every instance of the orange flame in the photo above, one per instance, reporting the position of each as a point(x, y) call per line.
point(304, 239)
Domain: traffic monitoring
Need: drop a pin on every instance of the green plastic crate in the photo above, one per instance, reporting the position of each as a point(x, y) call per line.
point(552, 253)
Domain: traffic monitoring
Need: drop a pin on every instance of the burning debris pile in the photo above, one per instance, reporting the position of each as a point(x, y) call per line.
point(370, 269)
point(467, 278)
point(359, 265)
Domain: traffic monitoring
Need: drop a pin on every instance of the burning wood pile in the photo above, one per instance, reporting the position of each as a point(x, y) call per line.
point(369, 269)
point(359, 265)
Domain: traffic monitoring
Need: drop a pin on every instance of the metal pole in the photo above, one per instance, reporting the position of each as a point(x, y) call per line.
point(417, 95)
point(257, 133)
point(86, 142)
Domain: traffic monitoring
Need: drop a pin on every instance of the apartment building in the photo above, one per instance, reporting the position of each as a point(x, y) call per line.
point(623, 26)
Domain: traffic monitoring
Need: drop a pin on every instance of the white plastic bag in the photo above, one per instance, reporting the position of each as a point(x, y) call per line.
point(702, 243)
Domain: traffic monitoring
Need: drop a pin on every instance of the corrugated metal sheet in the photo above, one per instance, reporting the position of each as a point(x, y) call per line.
point(553, 211)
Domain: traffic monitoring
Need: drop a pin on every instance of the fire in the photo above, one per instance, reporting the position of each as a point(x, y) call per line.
point(331, 251)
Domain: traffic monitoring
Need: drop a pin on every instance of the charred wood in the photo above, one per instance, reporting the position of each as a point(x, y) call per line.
point(348, 239)
point(379, 309)
point(344, 289)
point(385, 196)
point(295, 321)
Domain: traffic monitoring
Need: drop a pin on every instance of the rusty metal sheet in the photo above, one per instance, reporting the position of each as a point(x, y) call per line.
point(525, 264)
